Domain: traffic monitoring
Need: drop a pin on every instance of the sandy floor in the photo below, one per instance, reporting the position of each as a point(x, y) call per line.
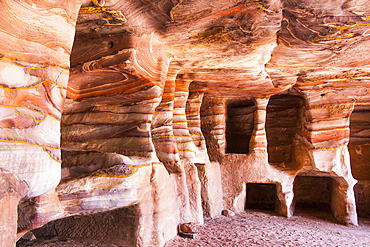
point(254, 228)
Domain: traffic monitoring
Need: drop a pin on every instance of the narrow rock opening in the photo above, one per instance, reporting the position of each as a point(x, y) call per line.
point(313, 196)
point(261, 196)
point(281, 127)
point(359, 147)
point(239, 126)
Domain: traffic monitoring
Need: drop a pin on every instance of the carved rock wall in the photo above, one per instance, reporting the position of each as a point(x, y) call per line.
point(37, 39)
point(163, 111)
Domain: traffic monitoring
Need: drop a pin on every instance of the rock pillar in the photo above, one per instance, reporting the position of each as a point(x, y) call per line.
point(258, 140)
point(162, 124)
point(192, 111)
point(326, 140)
point(213, 127)
point(208, 172)
point(187, 149)
point(36, 42)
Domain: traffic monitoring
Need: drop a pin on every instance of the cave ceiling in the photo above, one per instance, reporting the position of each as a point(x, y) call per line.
point(237, 49)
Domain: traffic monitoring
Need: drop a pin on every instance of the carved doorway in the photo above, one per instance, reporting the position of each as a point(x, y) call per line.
point(313, 196)
point(261, 196)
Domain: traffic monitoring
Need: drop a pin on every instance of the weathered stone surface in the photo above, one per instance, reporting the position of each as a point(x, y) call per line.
point(29, 236)
point(188, 228)
point(163, 111)
point(227, 212)
point(11, 191)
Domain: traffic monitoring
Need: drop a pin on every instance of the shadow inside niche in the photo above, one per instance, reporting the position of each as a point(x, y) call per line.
point(312, 197)
point(262, 197)
point(239, 126)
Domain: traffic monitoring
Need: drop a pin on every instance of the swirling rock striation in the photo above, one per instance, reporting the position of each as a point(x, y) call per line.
point(165, 111)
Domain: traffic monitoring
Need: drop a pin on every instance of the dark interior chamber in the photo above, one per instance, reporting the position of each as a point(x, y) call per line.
point(261, 196)
point(313, 193)
point(281, 127)
point(239, 126)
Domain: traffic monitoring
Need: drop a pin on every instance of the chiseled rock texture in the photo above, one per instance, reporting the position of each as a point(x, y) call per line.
point(122, 119)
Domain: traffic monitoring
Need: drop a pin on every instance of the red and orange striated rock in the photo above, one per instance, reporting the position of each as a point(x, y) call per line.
point(164, 111)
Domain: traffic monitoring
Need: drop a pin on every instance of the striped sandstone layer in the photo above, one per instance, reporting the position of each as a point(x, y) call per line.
point(164, 111)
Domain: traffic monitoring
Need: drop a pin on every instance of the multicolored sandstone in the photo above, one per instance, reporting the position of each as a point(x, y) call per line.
point(163, 112)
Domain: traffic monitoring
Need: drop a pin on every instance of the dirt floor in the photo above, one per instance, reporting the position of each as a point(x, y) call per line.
point(256, 228)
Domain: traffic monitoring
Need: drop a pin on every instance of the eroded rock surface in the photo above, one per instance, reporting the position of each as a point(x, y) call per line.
point(164, 111)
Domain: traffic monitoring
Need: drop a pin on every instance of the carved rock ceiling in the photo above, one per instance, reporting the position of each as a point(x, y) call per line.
point(239, 48)
point(160, 112)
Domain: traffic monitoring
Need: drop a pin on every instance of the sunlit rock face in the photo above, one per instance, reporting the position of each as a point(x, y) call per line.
point(34, 75)
point(168, 111)
point(36, 42)
point(115, 86)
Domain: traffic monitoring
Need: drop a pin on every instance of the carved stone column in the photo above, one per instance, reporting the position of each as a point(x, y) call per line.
point(258, 140)
point(213, 127)
point(326, 142)
point(193, 105)
point(162, 124)
point(36, 41)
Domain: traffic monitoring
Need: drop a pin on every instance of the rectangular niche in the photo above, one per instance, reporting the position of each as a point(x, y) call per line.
point(312, 194)
point(261, 196)
point(281, 127)
point(239, 126)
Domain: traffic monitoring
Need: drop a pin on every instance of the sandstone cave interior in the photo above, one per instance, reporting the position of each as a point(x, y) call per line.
point(138, 117)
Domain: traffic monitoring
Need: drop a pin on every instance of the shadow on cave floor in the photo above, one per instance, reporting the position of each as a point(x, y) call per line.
point(267, 212)
point(63, 242)
point(303, 212)
point(315, 213)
